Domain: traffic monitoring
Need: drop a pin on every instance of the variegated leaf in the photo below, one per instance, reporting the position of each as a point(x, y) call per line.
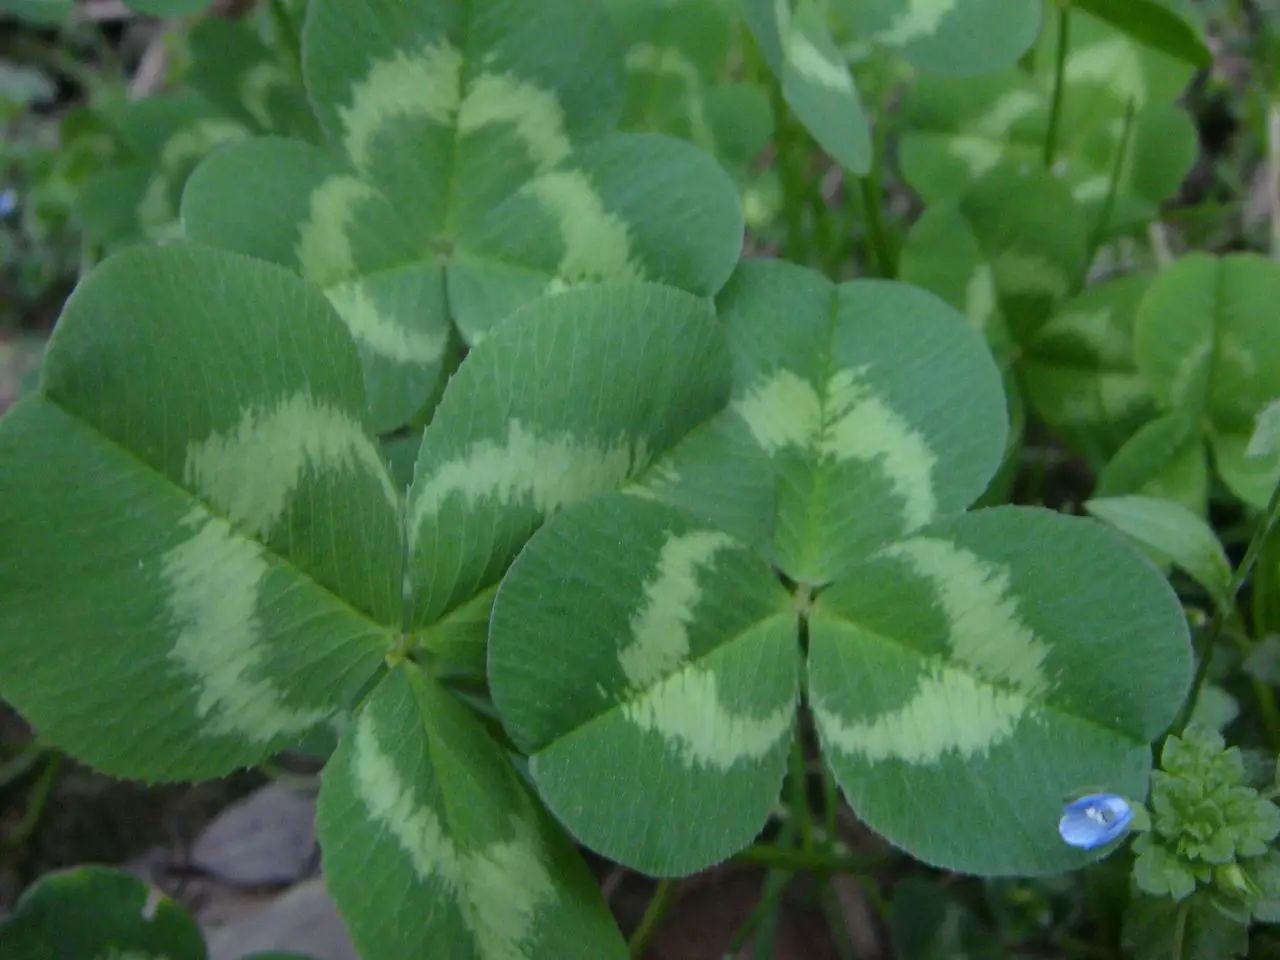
point(668, 671)
point(1166, 458)
point(1208, 341)
point(986, 669)
point(870, 392)
point(232, 569)
point(483, 137)
point(1007, 252)
point(93, 913)
point(575, 395)
point(954, 37)
point(433, 846)
point(1080, 373)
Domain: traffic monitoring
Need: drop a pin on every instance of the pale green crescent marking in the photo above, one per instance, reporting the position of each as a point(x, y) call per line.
point(1093, 189)
point(1023, 273)
point(812, 64)
point(1188, 367)
point(987, 633)
point(1093, 328)
point(426, 84)
point(499, 888)
point(193, 143)
point(547, 471)
point(950, 712)
point(156, 210)
point(661, 478)
point(256, 87)
point(1114, 64)
point(660, 627)
point(1231, 350)
point(671, 62)
point(536, 114)
point(392, 804)
point(978, 154)
point(1004, 112)
point(685, 709)
point(783, 411)
point(382, 334)
point(323, 248)
point(920, 19)
point(213, 579)
point(864, 427)
point(856, 424)
point(980, 297)
point(251, 471)
point(597, 243)
point(1123, 392)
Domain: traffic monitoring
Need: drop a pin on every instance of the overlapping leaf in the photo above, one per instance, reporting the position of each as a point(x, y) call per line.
point(1208, 341)
point(232, 571)
point(974, 669)
point(654, 687)
point(89, 913)
point(420, 806)
point(1007, 252)
point(467, 172)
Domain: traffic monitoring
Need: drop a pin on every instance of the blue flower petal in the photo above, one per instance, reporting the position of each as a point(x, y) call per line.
point(1095, 820)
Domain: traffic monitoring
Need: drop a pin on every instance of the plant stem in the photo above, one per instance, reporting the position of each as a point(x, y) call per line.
point(1059, 85)
point(661, 901)
point(1226, 609)
point(1273, 175)
point(36, 802)
point(835, 921)
point(1180, 929)
point(796, 247)
point(799, 794)
point(288, 31)
point(1117, 170)
point(814, 861)
point(878, 240)
point(775, 884)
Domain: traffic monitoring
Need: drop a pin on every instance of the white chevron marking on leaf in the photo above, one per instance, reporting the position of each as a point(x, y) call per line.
point(597, 243)
point(536, 114)
point(660, 627)
point(812, 64)
point(920, 19)
point(323, 249)
point(251, 471)
point(213, 580)
point(381, 334)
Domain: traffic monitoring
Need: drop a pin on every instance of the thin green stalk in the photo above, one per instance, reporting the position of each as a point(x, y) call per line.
point(799, 794)
point(835, 921)
point(1059, 84)
point(775, 885)
point(796, 247)
point(1226, 609)
point(814, 861)
point(1117, 170)
point(878, 247)
point(830, 804)
point(664, 895)
point(825, 237)
point(288, 31)
point(21, 763)
point(1180, 929)
point(37, 800)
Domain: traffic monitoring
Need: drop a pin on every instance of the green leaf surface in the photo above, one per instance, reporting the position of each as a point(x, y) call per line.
point(233, 571)
point(1151, 924)
point(42, 13)
point(869, 392)
point(954, 37)
point(654, 688)
point(816, 81)
point(954, 679)
point(234, 69)
point(1080, 373)
point(1154, 25)
point(472, 153)
point(92, 913)
point(1007, 253)
point(1175, 534)
point(1265, 441)
point(431, 840)
point(1166, 459)
point(574, 395)
point(168, 8)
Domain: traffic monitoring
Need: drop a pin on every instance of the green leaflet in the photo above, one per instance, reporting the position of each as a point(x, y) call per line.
point(1007, 252)
point(528, 425)
point(168, 8)
point(419, 806)
point(953, 37)
point(816, 81)
point(654, 688)
point(1165, 458)
point(951, 674)
point(956, 131)
point(677, 58)
point(1080, 372)
point(1154, 25)
point(1207, 340)
point(472, 157)
point(92, 913)
point(241, 533)
point(159, 141)
point(868, 392)
point(234, 69)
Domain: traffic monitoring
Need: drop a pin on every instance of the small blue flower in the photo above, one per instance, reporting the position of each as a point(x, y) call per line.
point(8, 202)
point(1095, 820)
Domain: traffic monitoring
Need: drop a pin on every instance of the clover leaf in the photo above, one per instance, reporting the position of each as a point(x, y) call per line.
point(468, 168)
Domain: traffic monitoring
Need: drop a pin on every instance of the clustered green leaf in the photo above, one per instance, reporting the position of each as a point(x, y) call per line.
point(1209, 829)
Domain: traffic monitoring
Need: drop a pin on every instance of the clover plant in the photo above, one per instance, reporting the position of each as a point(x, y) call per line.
point(426, 403)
